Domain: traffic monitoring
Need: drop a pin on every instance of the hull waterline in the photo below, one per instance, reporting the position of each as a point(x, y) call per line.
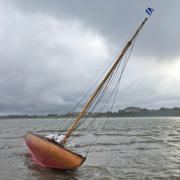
point(49, 154)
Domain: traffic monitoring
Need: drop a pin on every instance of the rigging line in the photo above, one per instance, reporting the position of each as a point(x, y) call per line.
point(75, 107)
point(94, 106)
point(118, 82)
point(106, 86)
point(79, 102)
point(86, 94)
point(86, 107)
point(92, 86)
point(127, 57)
point(120, 77)
point(107, 100)
point(95, 141)
point(102, 95)
point(104, 90)
point(100, 86)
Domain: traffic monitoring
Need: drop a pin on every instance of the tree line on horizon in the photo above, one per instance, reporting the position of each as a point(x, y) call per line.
point(127, 112)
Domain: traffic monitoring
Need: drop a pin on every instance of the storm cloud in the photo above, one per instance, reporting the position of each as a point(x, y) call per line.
point(50, 49)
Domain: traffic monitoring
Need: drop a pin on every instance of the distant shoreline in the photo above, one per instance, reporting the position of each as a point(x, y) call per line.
point(127, 112)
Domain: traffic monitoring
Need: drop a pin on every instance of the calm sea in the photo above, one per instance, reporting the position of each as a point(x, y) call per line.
point(127, 148)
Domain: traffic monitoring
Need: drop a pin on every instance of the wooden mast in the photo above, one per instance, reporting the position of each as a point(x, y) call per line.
point(96, 92)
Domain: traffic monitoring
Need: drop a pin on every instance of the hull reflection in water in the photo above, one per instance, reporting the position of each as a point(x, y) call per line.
point(49, 154)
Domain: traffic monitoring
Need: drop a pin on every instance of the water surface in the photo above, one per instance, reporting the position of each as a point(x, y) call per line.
point(127, 148)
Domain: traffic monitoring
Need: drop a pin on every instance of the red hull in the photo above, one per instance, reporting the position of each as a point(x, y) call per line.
point(49, 154)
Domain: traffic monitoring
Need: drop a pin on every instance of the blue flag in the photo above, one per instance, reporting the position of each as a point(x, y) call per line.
point(149, 11)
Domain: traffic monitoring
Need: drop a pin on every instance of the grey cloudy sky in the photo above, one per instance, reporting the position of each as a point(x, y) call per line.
point(50, 49)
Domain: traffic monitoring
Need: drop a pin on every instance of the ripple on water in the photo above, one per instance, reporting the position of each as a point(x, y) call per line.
point(128, 149)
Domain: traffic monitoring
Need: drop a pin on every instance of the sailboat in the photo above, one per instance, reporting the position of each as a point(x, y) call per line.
point(48, 153)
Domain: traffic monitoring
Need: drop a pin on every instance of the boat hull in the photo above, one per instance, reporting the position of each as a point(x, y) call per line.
point(49, 154)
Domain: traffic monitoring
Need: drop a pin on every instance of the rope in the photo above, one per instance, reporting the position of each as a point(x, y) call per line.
point(118, 82)
point(86, 94)
point(106, 101)
point(100, 100)
point(115, 89)
point(101, 94)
